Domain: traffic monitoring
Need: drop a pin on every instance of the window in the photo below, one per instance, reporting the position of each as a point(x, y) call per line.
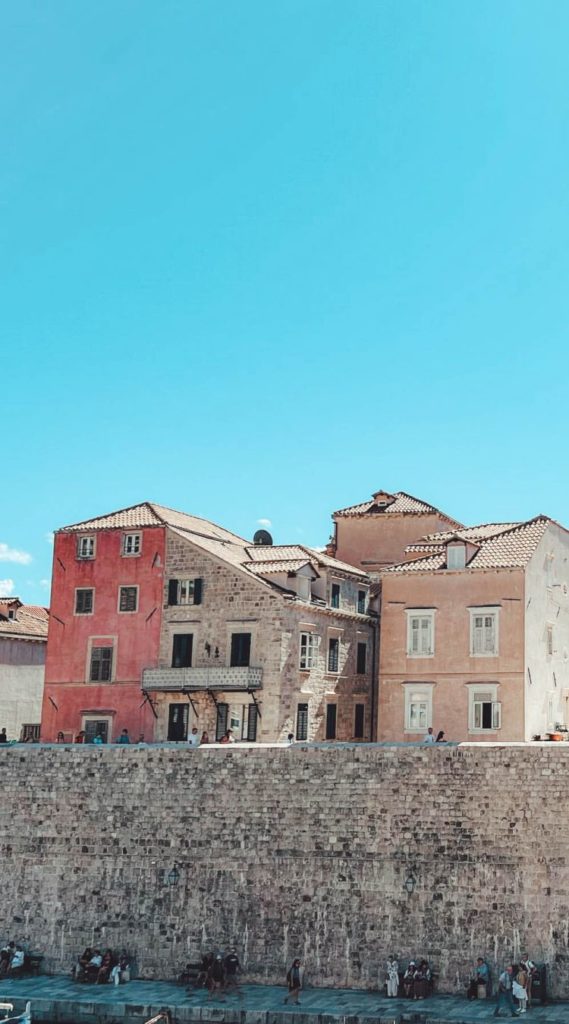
point(361, 602)
point(335, 595)
point(240, 649)
point(185, 591)
point(359, 721)
point(331, 716)
point(94, 726)
point(420, 633)
point(30, 734)
point(249, 728)
point(309, 643)
point(418, 706)
point(182, 650)
point(128, 599)
point(84, 601)
point(131, 543)
point(333, 654)
point(85, 547)
point(549, 639)
point(178, 722)
point(456, 556)
point(302, 722)
point(484, 710)
point(361, 659)
point(221, 721)
point(483, 632)
point(101, 664)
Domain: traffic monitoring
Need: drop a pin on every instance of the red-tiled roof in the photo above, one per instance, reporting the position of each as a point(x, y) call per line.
point(508, 548)
point(390, 504)
point(30, 622)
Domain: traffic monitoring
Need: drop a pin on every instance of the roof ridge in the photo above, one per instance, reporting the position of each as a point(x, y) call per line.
point(105, 515)
point(155, 505)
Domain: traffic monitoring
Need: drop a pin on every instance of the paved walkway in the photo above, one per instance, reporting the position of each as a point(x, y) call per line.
point(63, 1000)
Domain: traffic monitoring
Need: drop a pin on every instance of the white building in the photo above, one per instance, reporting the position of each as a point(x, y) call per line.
point(23, 640)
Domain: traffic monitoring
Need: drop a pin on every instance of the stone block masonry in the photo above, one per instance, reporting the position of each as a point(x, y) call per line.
point(290, 851)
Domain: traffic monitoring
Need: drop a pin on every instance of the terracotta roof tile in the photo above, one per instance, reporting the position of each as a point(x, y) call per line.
point(511, 547)
point(433, 541)
point(400, 502)
point(30, 623)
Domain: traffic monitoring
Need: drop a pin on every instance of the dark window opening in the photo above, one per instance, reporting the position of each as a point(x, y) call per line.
point(128, 599)
point(361, 659)
point(83, 602)
point(177, 722)
point(101, 664)
point(335, 596)
point(221, 723)
point(361, 602)
point(94, 727)
point(333, 654)
point(252, 713)
point(331, 715)
point(359, 719)
point(240, 649)
point(302, 722)
point(182, 650)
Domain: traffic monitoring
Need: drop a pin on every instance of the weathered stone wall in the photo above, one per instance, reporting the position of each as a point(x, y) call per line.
point(287, 851)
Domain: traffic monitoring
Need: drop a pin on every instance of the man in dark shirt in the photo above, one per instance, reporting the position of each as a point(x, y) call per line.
point(3, 737)
point(232, 969)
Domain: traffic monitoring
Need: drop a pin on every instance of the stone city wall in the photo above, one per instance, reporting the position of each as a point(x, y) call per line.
point(289, 851)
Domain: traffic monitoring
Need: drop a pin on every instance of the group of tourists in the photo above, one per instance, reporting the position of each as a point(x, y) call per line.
point(514, 985)
point(12, 960)
point(416, 982)
point(218, 973)
point(101, 968)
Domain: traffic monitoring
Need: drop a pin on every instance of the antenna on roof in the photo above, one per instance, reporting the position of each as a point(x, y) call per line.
point(262, 537)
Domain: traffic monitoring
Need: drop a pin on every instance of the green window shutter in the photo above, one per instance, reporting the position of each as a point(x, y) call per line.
point(172, 591)
point(198, 591)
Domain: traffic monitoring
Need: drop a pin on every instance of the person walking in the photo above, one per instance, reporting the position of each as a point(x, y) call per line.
point(193, 738)
point(519, 989)
point(232, 969)
point(392, 977)
point(505, 993)
point(294, 981)
point(216, 977)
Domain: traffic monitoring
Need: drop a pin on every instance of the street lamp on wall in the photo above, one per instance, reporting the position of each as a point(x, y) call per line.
point(409, 884)
point(172, 877)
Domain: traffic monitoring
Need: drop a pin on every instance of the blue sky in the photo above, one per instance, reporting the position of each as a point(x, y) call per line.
point(258, 260)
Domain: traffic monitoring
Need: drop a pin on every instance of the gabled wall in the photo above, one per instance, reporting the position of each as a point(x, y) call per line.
point(379, 539)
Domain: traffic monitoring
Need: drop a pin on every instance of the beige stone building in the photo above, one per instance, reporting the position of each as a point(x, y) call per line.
point(23, 639)
point(376, 533)
point(475, 634)
point(279, 641)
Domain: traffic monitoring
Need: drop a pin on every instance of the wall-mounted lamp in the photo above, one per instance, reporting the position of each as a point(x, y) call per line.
point(409, 883)
point(172, 877)
point(216, 652)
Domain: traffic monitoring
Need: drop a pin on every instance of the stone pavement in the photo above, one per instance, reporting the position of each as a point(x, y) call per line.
point(59, 999)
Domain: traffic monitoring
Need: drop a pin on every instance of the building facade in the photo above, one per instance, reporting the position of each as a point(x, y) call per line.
point(376, 533)
point(475, 635)
point(163, 622)
point(23, 641)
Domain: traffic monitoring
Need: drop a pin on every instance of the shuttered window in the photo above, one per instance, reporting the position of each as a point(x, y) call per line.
point(302, 722)
point(308, 650)
point(101, 664)
point(182, 650)
point(250, 716)
point(84, 601)
point(240, 649)
point(221, 721)
point(484, 633)
point(361, 602)
point(420, 634)
point(333, 654)
point(361, 659)
point(187, 591)
point(128, 599)
point(335, 595)
point(359, 721)
point(331, 718)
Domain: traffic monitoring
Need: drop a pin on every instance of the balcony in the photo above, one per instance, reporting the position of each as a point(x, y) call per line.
point(217, 677)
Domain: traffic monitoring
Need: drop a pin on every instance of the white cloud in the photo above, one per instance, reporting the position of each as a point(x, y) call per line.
point(49, 537)
point(8, 554)
point(45, 584)
point(264, 522)
point(6, 588)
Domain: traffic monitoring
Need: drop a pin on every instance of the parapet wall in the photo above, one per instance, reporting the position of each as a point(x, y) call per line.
point(289, 851)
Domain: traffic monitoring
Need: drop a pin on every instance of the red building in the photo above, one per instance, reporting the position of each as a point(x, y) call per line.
point(105, 625)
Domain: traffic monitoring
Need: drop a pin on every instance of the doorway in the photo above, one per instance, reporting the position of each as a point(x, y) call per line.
point(177, 722)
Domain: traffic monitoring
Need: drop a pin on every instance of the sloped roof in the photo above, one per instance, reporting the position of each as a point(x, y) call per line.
point(472, 534)
point(30, 623)
point(501, 549)
point(148, 513)
point(399, 502)
point(282, 552)
point(283, 565)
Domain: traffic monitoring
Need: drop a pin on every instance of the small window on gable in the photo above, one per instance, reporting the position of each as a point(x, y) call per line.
point(85, 547)
point(456, 556)
point(131, 543)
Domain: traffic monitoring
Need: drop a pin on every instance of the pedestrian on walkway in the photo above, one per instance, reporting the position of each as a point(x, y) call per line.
point(392, 977)
point(232, 969)
point(505, 993)
point(294, 981)
point(519, 988)
point(430, 737)
point(216, 979)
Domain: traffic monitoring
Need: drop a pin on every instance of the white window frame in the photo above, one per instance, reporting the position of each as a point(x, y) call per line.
point(478, 695)
point(128, 586)
point(312, 646)
point(94, 717)
point(483, 612)
point(90, 540)
point(186, 591)
point(456, 553)
point(420, 613)
point(136, 539)
point(418, 693)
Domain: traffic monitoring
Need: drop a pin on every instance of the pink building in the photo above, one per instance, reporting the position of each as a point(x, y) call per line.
point(475, 634)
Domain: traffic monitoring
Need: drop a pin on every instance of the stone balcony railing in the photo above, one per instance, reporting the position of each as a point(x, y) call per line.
point(214, 677)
